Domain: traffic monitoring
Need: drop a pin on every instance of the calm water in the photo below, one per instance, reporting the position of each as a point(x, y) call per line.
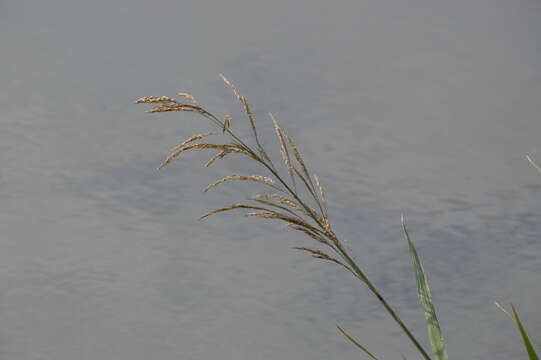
point(423, 107)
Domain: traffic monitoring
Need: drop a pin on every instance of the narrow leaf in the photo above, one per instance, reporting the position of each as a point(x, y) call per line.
point(532, 355)
point(425, 299)
point(356, 343)
point(536, 167)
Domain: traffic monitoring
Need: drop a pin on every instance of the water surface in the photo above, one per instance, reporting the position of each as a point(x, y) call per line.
point(423, 107)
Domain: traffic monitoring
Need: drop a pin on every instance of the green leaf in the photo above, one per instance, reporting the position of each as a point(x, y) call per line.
point(356, 343)
point(527, 343)
point(536, 167)
point(425, 299)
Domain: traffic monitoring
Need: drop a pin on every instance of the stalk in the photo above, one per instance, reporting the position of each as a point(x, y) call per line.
point(359, 273)
point(322, 222)
point(353, 267)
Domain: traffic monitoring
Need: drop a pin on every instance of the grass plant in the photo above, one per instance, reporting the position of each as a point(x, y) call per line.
point(298, 200)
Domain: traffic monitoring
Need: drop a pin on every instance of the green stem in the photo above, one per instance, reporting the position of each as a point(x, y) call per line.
point(387, 307)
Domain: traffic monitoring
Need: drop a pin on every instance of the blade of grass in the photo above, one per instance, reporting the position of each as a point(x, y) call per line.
point(533, 164)
point(503, 309)
point(511, 316)
point(425, 299)
point(532, 355)
point(356, 343)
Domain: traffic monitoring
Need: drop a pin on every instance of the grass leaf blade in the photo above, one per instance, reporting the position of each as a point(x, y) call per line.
point(536, 167)
point(425, 299)
point(356, 343)
point(532, 355)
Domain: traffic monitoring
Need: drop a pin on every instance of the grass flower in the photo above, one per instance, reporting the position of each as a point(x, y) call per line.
point(304, 211)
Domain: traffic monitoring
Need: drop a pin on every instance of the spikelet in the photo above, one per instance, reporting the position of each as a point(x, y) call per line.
point(231, 86)
point(251, 121)
point(227, 122)
point(318, 254)
point(312, 212)
point(225, 152)
point(285, 201)
point(181, 107)
point(154, 99)
point(219, 155)
point(180, 150)
point(167, 107)
point(283, 147)
point(187, 96)
point(311, 234)
point(298, 157)
point(257, 178)
point(331, 235)
point(191, 139)
point(292, 204)
point(287, 219)
point(321, 189)
point(305, 182)
point(274, 205)
point(322, 195)
point(231, 207)
point(250, 117)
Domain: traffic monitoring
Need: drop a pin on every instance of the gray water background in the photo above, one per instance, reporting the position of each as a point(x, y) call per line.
point(423, 107)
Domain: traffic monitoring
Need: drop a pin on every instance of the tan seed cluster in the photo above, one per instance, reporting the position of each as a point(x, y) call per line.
point(283, 147)
point(256, 178)
point(318, 254)
point(187, 96)
point(231, 86)
point(234, 206)
point(289, 207)
point(191, 139)
point(180, 150)
point(154, 99)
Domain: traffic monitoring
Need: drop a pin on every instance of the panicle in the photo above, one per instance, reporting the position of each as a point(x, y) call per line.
point(257, 178)
point(191, 139)
point(231, 207)
point(154, 100)
point(280, 133)
point(180, 150)
point(318, 254)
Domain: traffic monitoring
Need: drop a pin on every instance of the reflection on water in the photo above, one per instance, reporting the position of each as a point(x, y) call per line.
point(420, 107)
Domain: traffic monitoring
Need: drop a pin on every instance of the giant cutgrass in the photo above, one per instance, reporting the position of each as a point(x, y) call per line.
point(296, 199)
point(304, 211)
